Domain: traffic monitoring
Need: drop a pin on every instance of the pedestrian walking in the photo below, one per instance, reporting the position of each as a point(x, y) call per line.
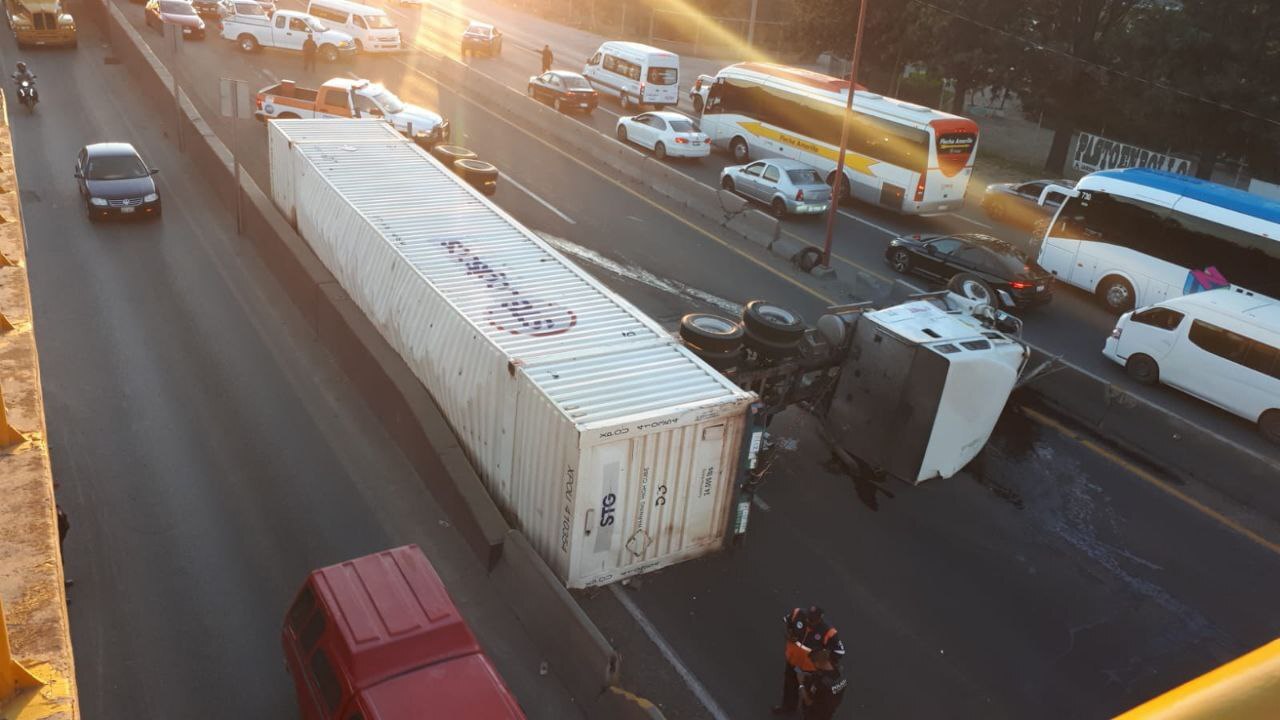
point(547, 58)
point(64, 526)
point(308, 54)
point(806, 631)
point(823, 689)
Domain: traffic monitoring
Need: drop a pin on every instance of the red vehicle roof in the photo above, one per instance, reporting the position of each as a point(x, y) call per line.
point(465, 688)
point(393, 614)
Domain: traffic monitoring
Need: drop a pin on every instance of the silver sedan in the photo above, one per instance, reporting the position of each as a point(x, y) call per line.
point(786, 186)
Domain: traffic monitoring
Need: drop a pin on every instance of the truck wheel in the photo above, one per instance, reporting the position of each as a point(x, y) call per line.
point(481, 175)
point(772, 323)
point(973, 287)
point(248, 43)
point(770, 349)
point(723, 360)
point(451, 154)
point(711, 333)
point(328, 53)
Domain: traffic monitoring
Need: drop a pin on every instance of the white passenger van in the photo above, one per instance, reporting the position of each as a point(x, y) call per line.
point(1222, 346)
point(372, 30)
point(635, 74)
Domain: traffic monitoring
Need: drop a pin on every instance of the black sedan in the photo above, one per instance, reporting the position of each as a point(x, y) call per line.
point(566, 91)
point(115, 182)
point(1018, 203)
point(977, 266)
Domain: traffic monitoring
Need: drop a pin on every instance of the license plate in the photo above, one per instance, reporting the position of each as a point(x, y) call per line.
point(584, 104)
point(696, 142)
point(1040, 288)
point(126, 209)
point(186, 31)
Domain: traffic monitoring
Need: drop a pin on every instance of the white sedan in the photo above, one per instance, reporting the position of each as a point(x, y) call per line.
point(666, 133)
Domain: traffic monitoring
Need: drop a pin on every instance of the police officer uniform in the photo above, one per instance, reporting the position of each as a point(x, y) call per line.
point(825, 690)
point(806, 632)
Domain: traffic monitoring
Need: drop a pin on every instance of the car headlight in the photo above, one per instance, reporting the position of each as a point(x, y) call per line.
point(98, 201)
point(151, 197)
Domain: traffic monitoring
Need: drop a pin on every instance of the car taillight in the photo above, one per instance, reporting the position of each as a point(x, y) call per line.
point(920, 189)
point(682, 141)
point(800, 194)
point(1019, 285)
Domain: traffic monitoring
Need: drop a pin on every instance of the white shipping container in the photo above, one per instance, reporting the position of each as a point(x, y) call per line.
point(611, 446)
point(283, 134)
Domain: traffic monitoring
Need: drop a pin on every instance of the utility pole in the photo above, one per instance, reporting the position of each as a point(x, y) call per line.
point(837, 182)
point(751, 25)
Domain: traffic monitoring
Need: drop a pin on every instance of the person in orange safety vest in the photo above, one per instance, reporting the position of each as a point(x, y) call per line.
point(806, 631)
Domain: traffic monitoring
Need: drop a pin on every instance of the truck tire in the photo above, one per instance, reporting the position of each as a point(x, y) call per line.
point(769, 349)
point(723, 360)
point(481, 175)
point(711, 333)
point(329, 53)
point(450, 154)
point(772, 323)
point(287, 116)
point(973, 287)
point(248, 43)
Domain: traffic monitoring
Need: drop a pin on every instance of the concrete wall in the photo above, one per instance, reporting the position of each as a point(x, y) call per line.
point(33, 599)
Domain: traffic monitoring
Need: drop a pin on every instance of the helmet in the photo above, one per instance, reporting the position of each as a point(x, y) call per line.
point(22, 67)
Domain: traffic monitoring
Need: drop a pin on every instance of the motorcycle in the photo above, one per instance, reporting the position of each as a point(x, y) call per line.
point(27, 94)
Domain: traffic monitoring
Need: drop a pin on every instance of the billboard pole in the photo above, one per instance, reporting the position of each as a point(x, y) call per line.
point(837, 180)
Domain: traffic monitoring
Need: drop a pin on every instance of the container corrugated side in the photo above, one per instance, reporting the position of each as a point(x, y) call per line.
point(283, 134)
point(480, 309)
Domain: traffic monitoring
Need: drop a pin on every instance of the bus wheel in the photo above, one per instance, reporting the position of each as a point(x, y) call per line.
point(844, 187)
point(1142, 368)
point(1116, 294)
point(1269, 425)
point(739, 149)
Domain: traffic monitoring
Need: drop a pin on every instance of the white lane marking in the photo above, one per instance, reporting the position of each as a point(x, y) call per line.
point(881, 228)
point(534, 195)
point(686, 674)
point(641, 275)
point(760, 503)
point(979, 223)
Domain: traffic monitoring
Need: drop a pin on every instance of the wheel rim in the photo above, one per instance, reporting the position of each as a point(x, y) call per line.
point(975, 290)
point(778, 315)
point(1118, 295)
point(901, 261)
point(1142, 369)
point(740, 151)
point(246, 45)
point(713, 325)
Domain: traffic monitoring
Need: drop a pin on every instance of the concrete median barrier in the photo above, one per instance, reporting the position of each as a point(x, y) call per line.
point(575, 647)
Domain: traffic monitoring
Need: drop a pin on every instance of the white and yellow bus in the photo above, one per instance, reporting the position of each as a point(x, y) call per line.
point(901, 156)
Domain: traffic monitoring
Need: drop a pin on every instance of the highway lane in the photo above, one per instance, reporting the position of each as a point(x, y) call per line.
point(1003, 568)
point(208, 453)
point(1073, 326)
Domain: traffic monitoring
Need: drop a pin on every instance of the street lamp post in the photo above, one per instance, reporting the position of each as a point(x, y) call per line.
point(837, 181)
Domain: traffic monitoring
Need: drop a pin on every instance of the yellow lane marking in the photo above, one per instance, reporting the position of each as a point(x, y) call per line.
point(763, 265)
point(1152, 480)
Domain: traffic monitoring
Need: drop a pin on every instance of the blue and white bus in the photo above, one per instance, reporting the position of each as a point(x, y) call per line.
point(1134, 237)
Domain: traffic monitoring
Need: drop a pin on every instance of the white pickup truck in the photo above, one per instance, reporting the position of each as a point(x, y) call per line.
point(251, 28)
point(346, 98)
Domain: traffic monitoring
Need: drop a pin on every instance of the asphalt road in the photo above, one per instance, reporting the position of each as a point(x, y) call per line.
point(1046, 580)
point(207, 452)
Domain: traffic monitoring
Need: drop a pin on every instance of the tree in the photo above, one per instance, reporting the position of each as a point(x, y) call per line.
point(1063, 38)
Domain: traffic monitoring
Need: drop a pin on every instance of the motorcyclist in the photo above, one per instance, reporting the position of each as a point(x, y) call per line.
point(24, 74)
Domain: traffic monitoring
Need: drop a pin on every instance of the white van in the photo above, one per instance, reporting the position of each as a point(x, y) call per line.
point(372, 30)
point(1222, 346)
point(636, 74)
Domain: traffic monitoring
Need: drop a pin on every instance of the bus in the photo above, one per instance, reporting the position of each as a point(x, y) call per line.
point(1136, 236)
point(901, 156)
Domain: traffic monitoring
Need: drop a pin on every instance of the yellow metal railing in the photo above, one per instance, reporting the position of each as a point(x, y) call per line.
point(1247, 688)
